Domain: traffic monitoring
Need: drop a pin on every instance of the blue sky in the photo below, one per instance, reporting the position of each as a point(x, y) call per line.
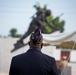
point(17, 13)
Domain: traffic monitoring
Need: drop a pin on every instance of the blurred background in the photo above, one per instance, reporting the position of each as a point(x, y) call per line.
point(17, 14)
point(15, 18)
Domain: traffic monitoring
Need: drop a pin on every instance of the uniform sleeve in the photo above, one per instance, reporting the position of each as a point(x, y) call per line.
point(55, 70)
point(12, 70)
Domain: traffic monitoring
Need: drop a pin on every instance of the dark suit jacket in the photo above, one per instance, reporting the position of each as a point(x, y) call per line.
point(33, 62)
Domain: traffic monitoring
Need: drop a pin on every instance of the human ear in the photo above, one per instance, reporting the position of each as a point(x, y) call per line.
point(41, 45)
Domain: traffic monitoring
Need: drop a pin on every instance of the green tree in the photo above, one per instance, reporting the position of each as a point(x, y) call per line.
point(13, 33)
point(55, 21)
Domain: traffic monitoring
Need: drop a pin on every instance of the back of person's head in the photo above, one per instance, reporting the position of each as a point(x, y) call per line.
point(36, 37)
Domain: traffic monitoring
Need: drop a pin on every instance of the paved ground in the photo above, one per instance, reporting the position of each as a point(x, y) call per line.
point(3, 74)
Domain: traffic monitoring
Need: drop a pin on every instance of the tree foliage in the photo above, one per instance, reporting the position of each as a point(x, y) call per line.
point(55, 21)
point(13, 33)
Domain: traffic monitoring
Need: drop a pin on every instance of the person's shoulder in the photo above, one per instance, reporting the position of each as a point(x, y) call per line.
point(49, 57)
point(18, 56)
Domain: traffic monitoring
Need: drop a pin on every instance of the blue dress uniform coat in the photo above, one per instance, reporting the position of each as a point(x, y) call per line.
point(33, 62)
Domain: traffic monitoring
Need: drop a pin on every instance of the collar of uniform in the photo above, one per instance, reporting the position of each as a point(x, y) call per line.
point(34, 49)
